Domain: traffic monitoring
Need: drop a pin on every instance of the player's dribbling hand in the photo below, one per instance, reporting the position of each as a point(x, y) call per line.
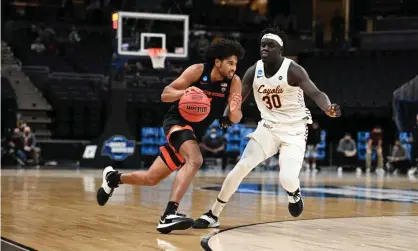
point(192, 89)
point(235, 102)
point(333, 111)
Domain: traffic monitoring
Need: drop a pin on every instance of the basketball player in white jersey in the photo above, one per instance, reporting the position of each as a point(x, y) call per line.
point(278, 85)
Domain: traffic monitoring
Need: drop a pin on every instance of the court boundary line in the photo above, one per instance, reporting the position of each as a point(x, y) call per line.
point(17, 244)
point(205, 240)
point(374, 187)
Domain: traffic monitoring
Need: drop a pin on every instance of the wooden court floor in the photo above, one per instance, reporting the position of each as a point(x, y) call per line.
point(48, 209)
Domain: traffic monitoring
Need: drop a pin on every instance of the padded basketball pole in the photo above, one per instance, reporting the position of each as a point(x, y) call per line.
point(116, 137)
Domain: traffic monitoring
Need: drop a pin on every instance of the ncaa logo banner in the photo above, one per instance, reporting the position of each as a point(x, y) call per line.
point(118, 148)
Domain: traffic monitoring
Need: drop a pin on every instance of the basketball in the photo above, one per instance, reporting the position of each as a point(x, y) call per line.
point(194, 107)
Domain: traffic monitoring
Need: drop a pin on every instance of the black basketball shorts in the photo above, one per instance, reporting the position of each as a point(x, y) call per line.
point(176, 136)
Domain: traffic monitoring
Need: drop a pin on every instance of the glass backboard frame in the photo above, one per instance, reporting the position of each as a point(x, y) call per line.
point(153, 16)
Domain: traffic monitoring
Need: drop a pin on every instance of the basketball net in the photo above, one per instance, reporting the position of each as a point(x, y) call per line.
point(157, 56)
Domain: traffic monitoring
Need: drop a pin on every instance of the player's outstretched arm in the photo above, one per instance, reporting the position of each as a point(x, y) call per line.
point(298, 76)
point(177, 88)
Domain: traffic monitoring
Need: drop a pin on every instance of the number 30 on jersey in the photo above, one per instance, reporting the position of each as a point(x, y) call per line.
point(272, 101)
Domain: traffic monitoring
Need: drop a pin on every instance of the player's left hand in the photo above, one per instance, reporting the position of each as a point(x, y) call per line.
point(236, 101)
point(333, 111)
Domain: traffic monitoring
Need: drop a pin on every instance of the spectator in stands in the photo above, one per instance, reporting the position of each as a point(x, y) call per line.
point(398, 159)
point(21, 125)
point(48, 36)
point(74, 37)
point(314, 137)
point(29, 145)
point(37, 45)
point(213, 146)
point(347, 151)
point(127, 69)
point(414, 151)
point(375, 143)
point(14, 146)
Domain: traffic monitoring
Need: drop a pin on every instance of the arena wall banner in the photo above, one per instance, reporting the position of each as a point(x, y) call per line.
point(116, 145)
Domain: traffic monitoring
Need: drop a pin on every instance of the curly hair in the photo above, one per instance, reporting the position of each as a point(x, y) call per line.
point(274, 30)
point(223, 49)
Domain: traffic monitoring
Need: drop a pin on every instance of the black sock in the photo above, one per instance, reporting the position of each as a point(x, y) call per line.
point(114, 179)
point(171, 208)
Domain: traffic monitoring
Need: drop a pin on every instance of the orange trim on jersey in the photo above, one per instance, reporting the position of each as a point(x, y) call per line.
point(170, 163)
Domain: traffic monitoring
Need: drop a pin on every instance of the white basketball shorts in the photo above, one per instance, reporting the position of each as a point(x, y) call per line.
point(286, 139)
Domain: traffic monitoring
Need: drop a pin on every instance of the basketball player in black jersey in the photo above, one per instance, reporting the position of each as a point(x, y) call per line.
point(218, 81)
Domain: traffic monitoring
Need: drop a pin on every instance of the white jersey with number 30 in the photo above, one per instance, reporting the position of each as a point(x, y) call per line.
point(276, 100)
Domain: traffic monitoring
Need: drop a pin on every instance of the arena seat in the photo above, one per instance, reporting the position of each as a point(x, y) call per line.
point(77, 108)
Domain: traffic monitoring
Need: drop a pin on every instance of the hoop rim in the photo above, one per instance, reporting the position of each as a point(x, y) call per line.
point(152, 52)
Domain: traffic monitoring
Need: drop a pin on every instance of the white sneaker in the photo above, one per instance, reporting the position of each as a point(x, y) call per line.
point(412, 171)
point(380, 171)
point(207, 220)
point(105, 191)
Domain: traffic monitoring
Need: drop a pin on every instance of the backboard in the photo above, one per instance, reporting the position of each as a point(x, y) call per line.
point(138, 31)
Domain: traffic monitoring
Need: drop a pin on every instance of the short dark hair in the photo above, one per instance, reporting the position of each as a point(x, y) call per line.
point(223, 49)
point(274, 30)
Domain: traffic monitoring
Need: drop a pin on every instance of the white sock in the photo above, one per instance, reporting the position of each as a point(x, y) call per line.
point(313, 165)
point(217, 208)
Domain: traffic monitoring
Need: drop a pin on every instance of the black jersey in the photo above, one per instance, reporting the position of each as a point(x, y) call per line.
point(217, 92)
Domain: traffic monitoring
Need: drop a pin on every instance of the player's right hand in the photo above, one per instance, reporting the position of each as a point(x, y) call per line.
point(333, 111)
point(192, 89)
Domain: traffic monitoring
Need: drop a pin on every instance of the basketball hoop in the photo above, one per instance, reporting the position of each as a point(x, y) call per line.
point(157, 56)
